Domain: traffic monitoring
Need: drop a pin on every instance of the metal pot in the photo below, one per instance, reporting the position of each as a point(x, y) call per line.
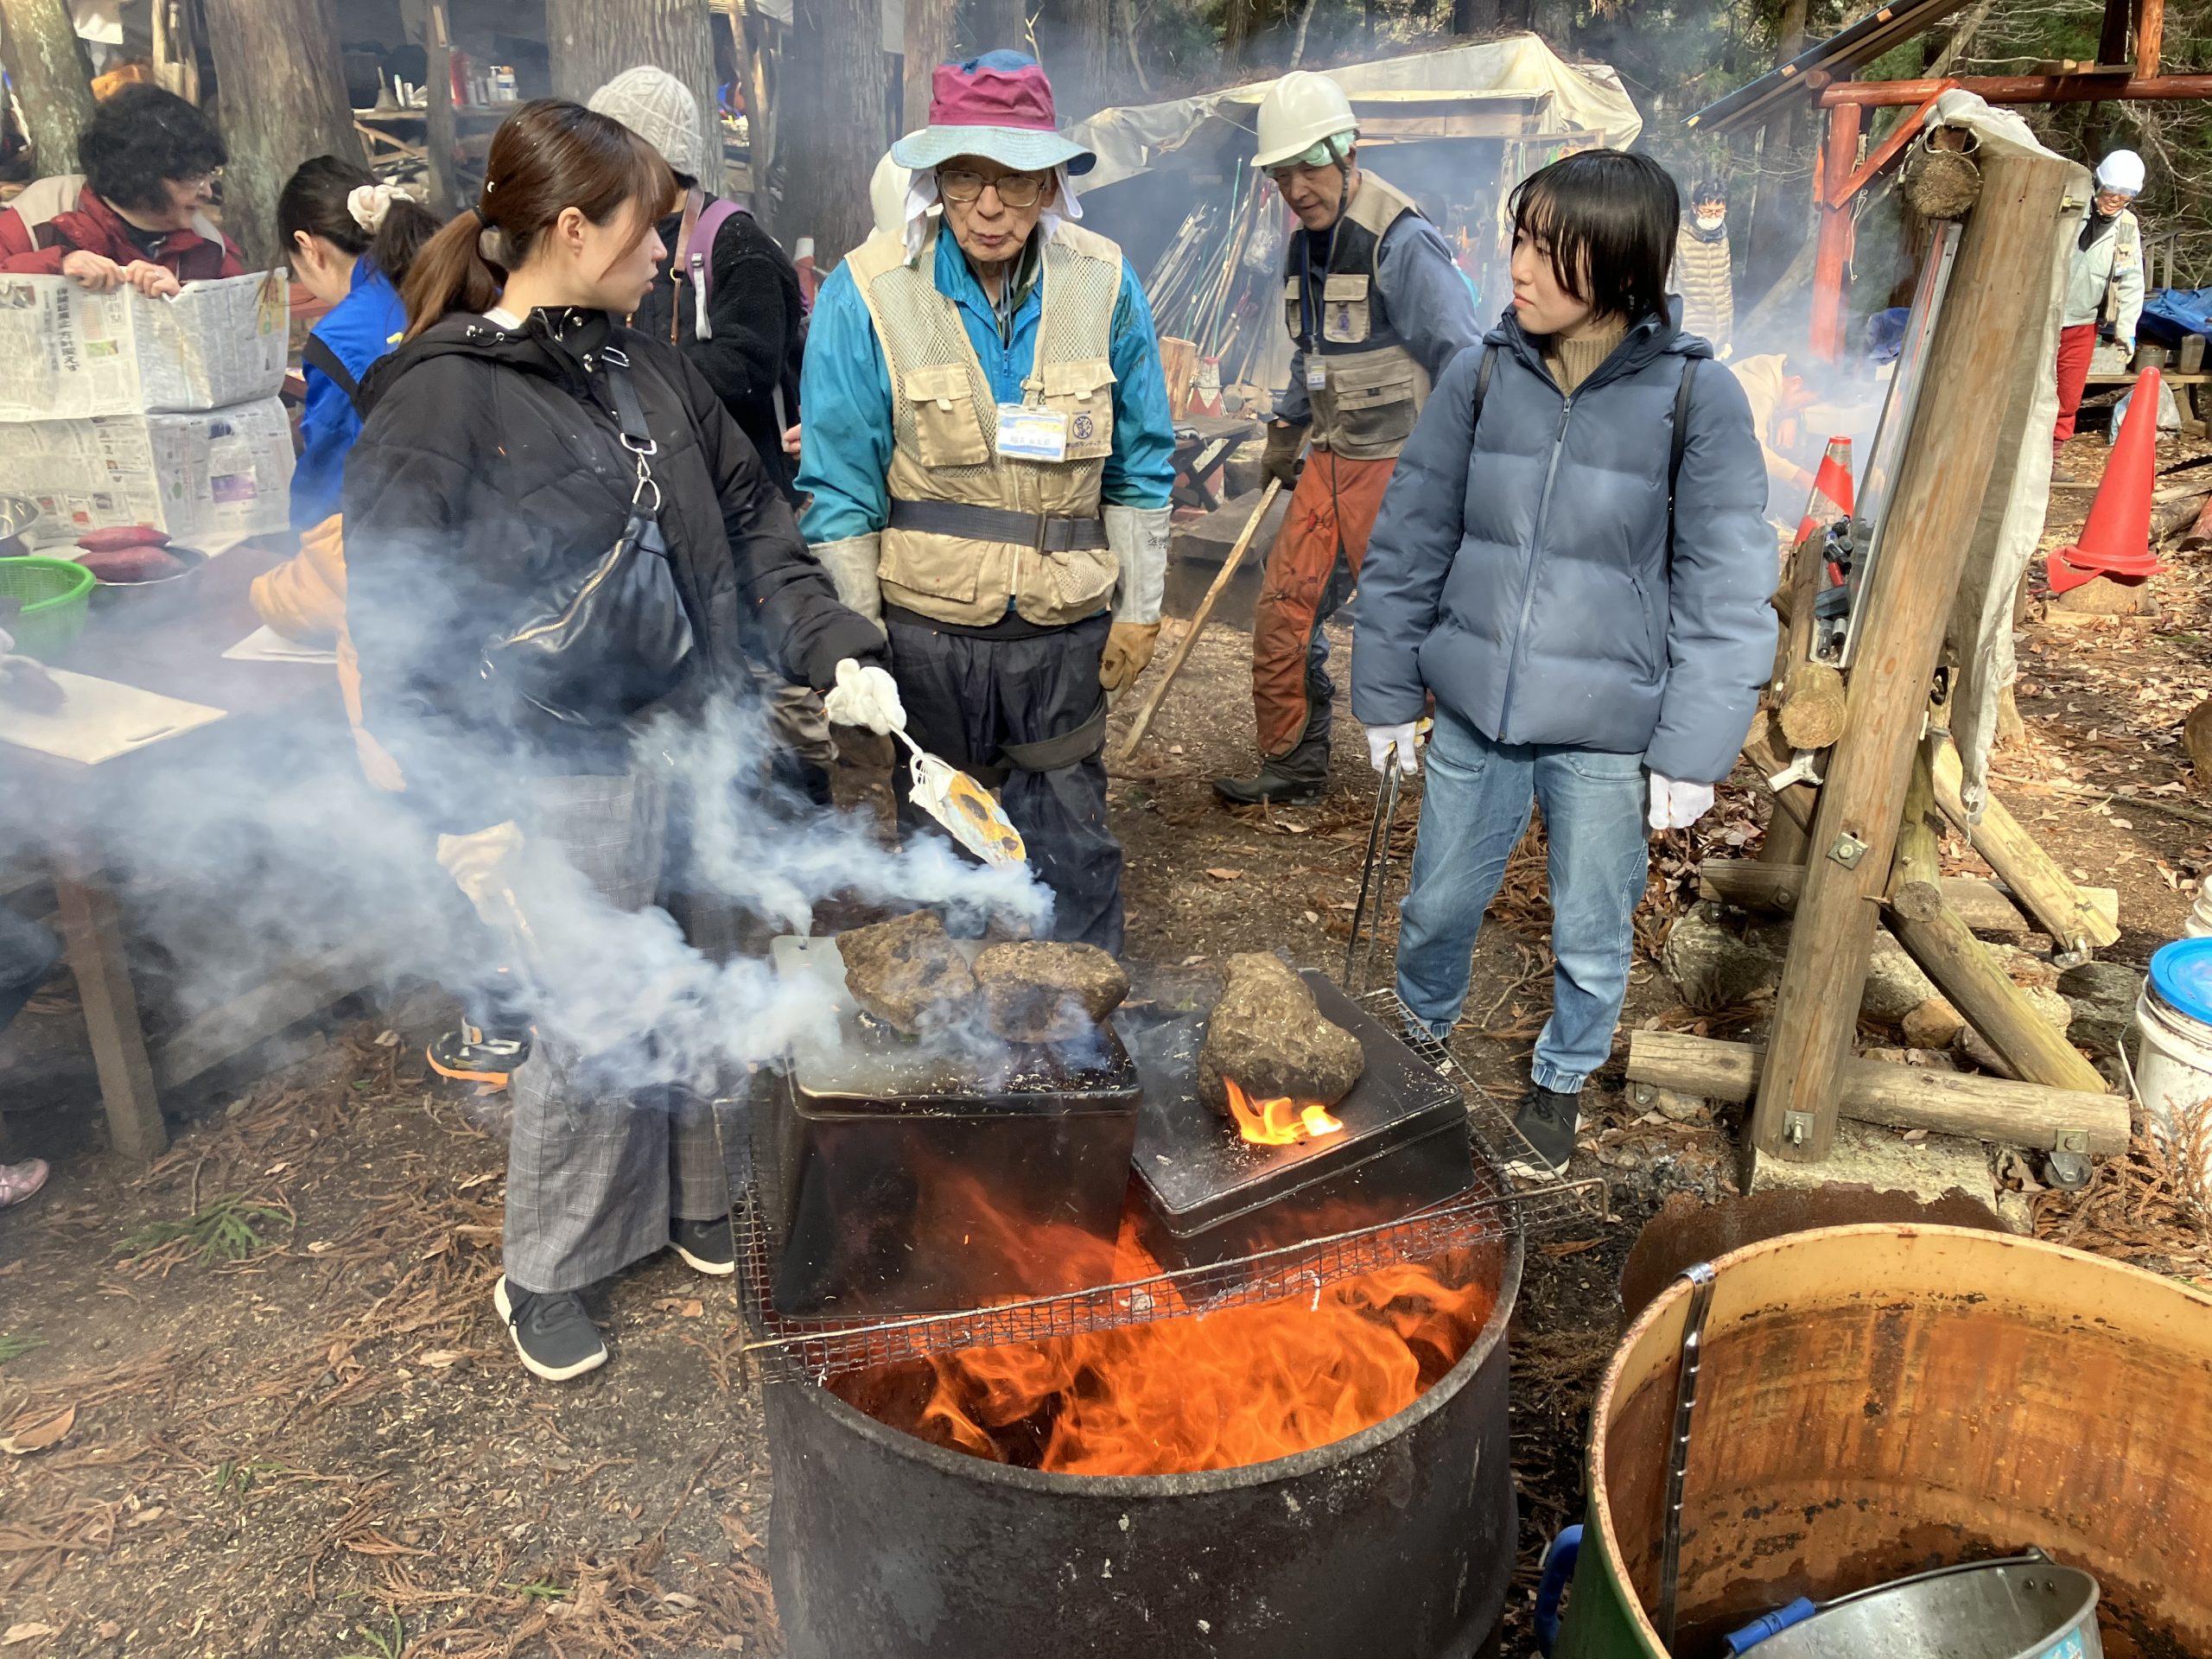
point(145, 604)
point(17, 514)
point(2028, 1608)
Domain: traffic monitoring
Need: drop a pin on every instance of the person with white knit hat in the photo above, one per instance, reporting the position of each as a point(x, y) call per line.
point(2104, 281)
point(729, 295)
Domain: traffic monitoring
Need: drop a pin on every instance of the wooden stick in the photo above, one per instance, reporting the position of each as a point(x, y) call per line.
point(1772, 887)
point(1960, 964)
point(2021, 863)
point(1142, 723)
point(1939, 495)
point(1897, 1096)
point(1812, 713)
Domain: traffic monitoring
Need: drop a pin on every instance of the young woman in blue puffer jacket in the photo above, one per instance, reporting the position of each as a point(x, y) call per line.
point(1572, 560)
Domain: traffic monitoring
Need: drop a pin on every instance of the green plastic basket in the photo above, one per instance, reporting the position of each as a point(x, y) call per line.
point(56, 594)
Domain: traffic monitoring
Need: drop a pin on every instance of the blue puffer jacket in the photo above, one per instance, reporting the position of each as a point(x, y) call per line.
point(1519, 566)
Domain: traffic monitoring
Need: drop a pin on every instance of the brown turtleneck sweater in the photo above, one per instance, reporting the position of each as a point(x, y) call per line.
point(1574, 361)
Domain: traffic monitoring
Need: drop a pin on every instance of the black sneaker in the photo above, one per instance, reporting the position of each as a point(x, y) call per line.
point(1546, 1121)
point(706, 1245)
point(472, 1054)
point(1274, 786)
point(554, 1335)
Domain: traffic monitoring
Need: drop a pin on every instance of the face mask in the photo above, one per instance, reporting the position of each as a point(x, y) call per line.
point(1710, 221)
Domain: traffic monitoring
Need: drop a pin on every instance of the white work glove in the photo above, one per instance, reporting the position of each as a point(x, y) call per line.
point(1138, 536)
point(852, 565)
point(1379, 740)
point(865, 697)
point(1677, 806)
point(484, 867)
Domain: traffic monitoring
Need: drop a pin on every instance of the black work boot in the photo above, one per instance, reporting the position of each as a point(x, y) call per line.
point(1298, 779)
point(1546, 1121)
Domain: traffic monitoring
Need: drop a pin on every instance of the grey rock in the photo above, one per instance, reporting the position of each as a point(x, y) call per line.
point(906, 971)
point(1718, 964)
point(2102, 995)
point(1035, 991)
point(1269, 1033)
point(1894, 985)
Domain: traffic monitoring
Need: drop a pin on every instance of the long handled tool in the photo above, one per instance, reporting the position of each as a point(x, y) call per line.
point(1151, 706)
point(968, 811)
point(1375, 873)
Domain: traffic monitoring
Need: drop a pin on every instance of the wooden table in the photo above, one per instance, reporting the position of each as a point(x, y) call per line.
point(179, 656)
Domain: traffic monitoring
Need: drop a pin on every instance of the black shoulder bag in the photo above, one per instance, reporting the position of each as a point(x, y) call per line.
point(610, 638)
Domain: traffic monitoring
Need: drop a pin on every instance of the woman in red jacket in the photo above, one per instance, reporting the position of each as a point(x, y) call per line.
point(150, 162)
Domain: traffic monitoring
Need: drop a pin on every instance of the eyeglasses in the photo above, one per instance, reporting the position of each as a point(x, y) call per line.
point(213, 175)
point(1016, 190)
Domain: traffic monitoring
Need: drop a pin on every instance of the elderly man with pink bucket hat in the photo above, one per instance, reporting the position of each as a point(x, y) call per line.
point(988, 450)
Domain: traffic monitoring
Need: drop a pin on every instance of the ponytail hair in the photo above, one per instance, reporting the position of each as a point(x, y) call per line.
point(342, 202)
point(549, 155)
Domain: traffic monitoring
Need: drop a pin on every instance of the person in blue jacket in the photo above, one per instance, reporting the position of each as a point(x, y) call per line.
point(989, 448)
point(350, 240)
point(1571, 559)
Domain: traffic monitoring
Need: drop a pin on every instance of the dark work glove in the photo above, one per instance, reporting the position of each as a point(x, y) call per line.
point(1285, 458)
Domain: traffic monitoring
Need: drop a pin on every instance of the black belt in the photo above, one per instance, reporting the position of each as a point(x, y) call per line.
point(1034, 531)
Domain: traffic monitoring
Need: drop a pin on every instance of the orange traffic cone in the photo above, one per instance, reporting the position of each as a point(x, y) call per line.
point(2116, 541)
point(1831, 496)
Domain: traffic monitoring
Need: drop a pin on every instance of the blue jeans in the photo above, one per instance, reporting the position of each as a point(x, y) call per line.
point(1474, 811)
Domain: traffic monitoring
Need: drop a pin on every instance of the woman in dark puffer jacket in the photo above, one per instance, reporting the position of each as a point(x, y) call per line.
point(1571, 560)
point(491, 479)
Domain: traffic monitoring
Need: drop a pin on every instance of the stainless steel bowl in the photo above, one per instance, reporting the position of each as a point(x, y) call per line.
point(136, 604)
point(17, 514)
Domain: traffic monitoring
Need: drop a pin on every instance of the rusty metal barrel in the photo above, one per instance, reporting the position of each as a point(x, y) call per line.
point(1875, 1402)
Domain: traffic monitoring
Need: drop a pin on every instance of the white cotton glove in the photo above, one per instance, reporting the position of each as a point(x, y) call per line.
point(484, 866)
point(1677, 806)
point(852, 565)
point(865, 697)
point(1379, 740)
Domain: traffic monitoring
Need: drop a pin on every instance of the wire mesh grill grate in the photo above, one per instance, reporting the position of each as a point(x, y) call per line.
point(813, 1350)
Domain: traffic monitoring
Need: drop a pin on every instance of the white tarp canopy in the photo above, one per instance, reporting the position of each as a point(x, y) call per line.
point(1578, 97)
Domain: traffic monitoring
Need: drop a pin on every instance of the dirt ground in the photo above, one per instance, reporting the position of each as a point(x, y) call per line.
point(325, 1446)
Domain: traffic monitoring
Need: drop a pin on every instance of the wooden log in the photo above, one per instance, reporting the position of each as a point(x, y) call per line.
point(1812, 713)
point(2036, 882)
point(1771, 888)
point(1969, 977)
point(1784, 846)
point(1763, 748)
point(46, 64)
point(1938, 499)
point(1896, 1096)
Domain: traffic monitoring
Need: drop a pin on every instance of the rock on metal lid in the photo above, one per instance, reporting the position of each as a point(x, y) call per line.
point(2181, 973)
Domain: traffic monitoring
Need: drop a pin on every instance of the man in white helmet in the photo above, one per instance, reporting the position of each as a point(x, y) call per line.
point(1378, 311)
point(2103, 279)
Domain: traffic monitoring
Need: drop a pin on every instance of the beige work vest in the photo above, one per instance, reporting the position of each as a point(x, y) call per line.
point(1374, 386)
point(946, 432)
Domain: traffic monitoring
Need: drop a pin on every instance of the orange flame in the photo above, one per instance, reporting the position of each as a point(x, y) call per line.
point(1278, 1122)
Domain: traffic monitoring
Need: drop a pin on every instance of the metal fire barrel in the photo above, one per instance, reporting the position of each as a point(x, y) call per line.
point(1399, 1540)
point(1876, 1401)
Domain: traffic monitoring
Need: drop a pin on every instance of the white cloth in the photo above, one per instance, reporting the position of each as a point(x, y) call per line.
point(1139, 538)
point(483, 865)
point(1677, 805)
point(1379, 740)
point(371, 205)
point(865, 695)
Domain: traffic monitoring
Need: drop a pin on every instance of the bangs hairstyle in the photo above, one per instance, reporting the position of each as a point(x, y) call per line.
point(549, 155)
point(1606, 218)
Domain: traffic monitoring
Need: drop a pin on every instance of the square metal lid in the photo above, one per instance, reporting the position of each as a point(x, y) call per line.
point(1198, 1170)
point(866, 1069)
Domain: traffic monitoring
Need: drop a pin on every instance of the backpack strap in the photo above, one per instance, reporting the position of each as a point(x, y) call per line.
point(699, 260)
point(1679, 442)
point(1482, 384)
point(316, 354)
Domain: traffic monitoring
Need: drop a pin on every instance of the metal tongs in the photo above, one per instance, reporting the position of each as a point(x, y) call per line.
point(970, 812)
point(1375, 873)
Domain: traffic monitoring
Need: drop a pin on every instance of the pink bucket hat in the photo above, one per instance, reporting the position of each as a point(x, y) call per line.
point(998, 106)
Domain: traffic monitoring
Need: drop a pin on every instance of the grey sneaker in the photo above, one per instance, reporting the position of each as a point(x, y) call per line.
point(1546, 1121)
point(706, 1246)
point(554, 1335)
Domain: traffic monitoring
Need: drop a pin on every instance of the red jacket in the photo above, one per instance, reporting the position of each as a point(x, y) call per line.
point(95, 227)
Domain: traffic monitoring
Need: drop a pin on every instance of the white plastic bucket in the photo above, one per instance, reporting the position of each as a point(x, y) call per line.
point(2173, 1073)
point(2199, 924)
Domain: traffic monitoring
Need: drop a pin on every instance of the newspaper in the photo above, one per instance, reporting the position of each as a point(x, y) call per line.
point(67, 353)
point(222, 474)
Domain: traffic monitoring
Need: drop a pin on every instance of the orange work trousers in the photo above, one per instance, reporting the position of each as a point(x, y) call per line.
point(1310, 573)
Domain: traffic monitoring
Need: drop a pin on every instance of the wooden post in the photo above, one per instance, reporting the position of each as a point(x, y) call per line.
point(2150, 37)
point(283, 100)
point(1995, 1109)
point(38, 41)
point(1960, 964)
point(1839, 157)
point(427, 20)
point(2111, 38)
point(99, 960)
point(2021, 863)
point(1947, 458)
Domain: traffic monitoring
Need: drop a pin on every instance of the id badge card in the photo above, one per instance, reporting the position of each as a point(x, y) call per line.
point(1317, 377)
point(1031, 434)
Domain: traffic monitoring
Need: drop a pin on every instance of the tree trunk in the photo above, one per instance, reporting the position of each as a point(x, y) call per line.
point(284, 93)
point(51, 77)
point(426, 22)
point(835, 72)
point(591, 41)
point(1474, 16)
point(991, 26)
point(929, 42)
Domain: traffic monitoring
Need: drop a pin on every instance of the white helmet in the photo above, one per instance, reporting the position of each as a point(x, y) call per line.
point(2122, 170)
point(1301, 111)
point(887, 195)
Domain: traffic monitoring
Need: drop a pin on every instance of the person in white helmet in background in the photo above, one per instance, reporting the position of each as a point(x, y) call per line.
point(1377, 310)
point(2104, 279)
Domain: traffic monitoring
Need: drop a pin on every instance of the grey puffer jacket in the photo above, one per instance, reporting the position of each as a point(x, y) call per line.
point(1521, 570)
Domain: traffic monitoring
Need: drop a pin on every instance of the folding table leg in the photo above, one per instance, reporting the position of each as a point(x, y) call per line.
point(97, 956)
